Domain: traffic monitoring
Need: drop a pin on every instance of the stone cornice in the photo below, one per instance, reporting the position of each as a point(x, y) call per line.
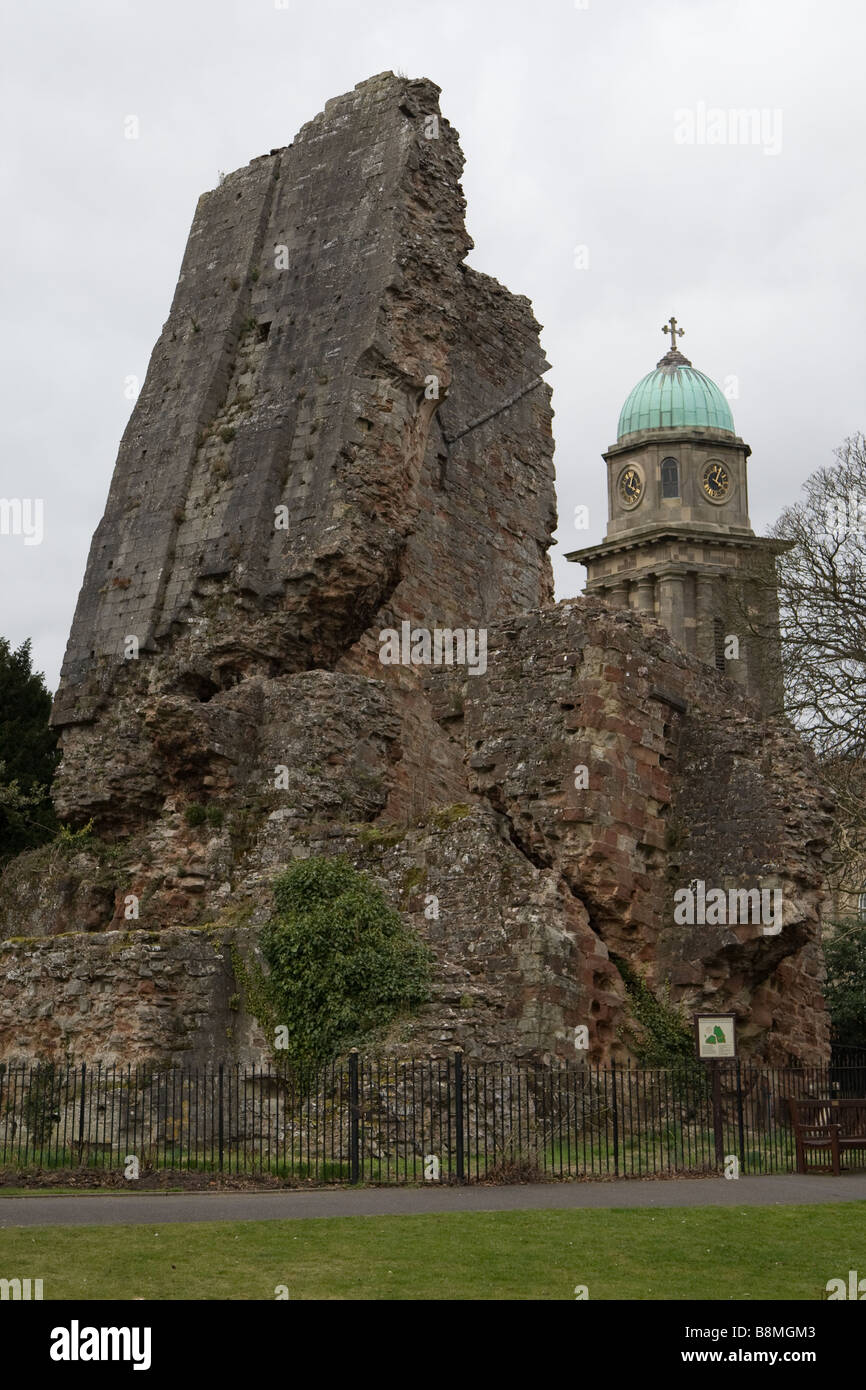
point(688, 534)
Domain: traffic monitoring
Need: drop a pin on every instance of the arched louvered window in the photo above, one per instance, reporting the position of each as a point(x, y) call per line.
point(670, 478)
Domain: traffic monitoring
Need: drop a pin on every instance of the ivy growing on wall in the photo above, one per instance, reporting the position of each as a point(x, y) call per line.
point(342, 963)
point(663, 1037)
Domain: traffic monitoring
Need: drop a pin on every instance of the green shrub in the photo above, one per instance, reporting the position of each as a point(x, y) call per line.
point(194, 814)
point(75, 839)
point(343, 964)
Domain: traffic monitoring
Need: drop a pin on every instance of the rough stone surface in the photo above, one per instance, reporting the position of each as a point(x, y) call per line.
point(120, 996)
point(685, 783)
point(328, 417)
point(257, 723)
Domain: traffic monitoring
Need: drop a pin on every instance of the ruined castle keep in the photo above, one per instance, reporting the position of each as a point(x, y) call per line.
point(344, 431)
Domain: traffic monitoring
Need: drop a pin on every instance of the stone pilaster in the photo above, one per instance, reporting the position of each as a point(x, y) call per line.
point(706, 611)
point(672, 604)
point(645, 590)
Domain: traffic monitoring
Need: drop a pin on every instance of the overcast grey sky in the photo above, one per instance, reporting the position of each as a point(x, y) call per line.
point(575, 123)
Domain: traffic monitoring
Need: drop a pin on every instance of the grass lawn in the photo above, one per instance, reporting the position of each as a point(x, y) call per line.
point(719, 1253)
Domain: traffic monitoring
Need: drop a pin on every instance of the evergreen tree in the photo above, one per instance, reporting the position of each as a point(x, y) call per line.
point(845, 990)
point(28, 754)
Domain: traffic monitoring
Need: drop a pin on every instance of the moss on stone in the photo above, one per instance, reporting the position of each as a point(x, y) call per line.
point(414, 878)
point(447, 815)
point(381, 837)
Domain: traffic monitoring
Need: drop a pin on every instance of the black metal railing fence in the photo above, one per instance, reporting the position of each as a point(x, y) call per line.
point(386, 1120)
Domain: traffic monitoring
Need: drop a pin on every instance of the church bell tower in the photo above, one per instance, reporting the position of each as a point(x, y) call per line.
point(679, 545)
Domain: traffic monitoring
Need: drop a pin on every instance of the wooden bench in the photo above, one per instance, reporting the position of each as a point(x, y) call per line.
point(833, 1127)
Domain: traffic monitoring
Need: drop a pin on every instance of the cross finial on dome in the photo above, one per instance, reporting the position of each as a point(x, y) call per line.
point(675, 332)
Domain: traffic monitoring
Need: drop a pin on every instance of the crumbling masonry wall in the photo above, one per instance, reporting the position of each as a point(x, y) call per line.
point(304, 468)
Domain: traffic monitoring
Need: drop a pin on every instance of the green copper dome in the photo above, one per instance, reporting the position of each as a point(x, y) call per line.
point(675, 396)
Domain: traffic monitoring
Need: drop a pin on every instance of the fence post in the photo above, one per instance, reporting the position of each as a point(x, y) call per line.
point(615, 1122)
point(740, 1125)
point(718, 1132)
point(458, 1115)
point(220, 1119)
point(354, 1148)
point(81, 1112)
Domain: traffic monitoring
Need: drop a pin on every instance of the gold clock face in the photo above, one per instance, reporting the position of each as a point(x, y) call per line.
point(716, 481)
point(630, 487)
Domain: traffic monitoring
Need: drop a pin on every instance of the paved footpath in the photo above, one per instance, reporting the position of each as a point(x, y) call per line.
point(147, 1209)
